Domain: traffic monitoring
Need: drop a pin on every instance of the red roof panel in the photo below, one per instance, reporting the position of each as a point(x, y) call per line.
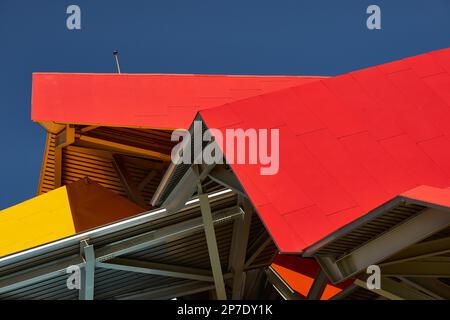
point(430, 195)
point(439, 84)
point(382, 116)
point(142, 100)
point(415, 162)
point(327, 107)
point(437, 150)
point(367, 151)
point(375, 133)
point(442, 58)
point(424, 65)
point(316, 182)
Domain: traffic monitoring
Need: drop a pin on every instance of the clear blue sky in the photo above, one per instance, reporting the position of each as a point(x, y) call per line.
point(292, 37)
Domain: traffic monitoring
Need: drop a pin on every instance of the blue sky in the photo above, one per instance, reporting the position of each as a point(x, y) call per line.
point(291, 37)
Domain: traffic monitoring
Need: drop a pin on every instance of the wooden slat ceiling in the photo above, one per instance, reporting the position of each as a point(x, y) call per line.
point(80, 159)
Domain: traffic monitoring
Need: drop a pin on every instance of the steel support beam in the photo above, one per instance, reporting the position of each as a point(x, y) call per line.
point(110, 251)
point(418, 269)
point(88, 128)
point(394, 290)
point(421, 250)
point(227, 179)
point(258, 246)
point(318, 286)
point(158, 269)
point(65, 137)
point(40, 273)
point(431, 286)
point(212, 247)
point(281, 286)
point(52, 127)
point(123, 148)
point(173, 232)
point(182, 192)
point(131, 189)
point(146, 180)
point(88, 272)
point(389, 243)
point(238, 251)
point(184, 189)
point(57, 181)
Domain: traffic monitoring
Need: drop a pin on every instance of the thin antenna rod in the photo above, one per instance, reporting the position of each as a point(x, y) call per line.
point(116, 57)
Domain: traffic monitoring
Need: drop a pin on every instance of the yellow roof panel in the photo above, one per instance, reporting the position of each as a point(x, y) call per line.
point(36, 221)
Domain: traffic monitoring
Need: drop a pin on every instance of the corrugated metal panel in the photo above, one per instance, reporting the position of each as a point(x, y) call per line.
point(156, 140)
point(189, 251)
point(370, 230)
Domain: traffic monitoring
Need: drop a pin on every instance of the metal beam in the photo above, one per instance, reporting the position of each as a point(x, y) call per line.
point(131, 189)
point(123, 148)
point(176, 231)
point(431, 286)
point(65, 137)
point(88, 272)
point(57, 182)
point(227, 179)
point(421, 250)
point(394, 290)
point(110, 251)
point(40, 273)
point(88, 128)
point(52, 127)
point(259, 245)
point(418, 269)
point(146, 180)
point(406, 234)
point(355, 224)
point(171, 292)
point(184, 189)
point(212, 246)
point(238, 250)
point(158, 269)
point(52, 269)
point(182, 192)
point(281, 286)
point(318, 286)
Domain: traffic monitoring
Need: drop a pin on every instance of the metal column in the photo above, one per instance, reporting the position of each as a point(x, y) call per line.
point(212, 246)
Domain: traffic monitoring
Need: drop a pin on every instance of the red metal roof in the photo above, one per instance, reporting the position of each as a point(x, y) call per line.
point(429, 195)
point(142, 100)
point(347, 144)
